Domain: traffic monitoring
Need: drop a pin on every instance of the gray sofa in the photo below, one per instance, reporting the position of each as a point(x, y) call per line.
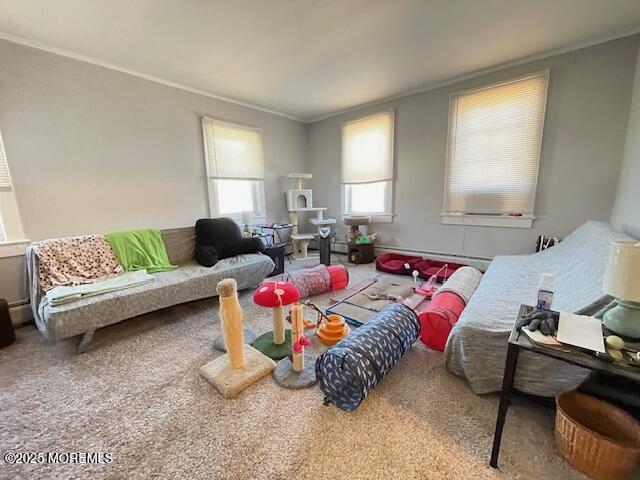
point(190, 281)
point(477, 346)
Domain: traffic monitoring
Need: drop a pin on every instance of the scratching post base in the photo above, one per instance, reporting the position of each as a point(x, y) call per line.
point(249, 338)
point(231, 381)
point(286, 377)
point(264, 343)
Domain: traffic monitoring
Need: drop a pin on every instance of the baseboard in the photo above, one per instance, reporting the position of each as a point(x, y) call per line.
point(481, 263)
point(21, 314)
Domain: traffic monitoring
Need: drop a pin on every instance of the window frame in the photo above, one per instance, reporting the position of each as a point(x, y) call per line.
point(258, 184)
point(257, 190)
point(376, 217)
point(12, 237)
point(486, 219)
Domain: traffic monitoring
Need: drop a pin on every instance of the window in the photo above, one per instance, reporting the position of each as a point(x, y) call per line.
point(367, 166)
point(235, 168)
point(10, 225)
point(493, 149)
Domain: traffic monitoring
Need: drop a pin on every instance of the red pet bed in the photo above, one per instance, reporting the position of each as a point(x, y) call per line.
point(394, 263)
point(438, 319)
point(427, 268)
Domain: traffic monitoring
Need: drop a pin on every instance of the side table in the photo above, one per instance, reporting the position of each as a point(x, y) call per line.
point(572, 355)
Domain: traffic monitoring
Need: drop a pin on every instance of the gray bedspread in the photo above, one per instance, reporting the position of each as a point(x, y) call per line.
point(477, 346)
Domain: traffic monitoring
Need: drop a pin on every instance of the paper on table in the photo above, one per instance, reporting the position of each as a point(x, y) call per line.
point(581, 331)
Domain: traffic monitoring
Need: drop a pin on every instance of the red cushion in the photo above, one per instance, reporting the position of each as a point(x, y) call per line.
point(438, 319)
point(395, 263)
point(427, 268)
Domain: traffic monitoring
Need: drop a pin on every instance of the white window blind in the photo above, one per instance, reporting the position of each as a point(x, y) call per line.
point(493, 148)
point(233, 151)
point(367, 149)
point(5, 179)
point(10, 224)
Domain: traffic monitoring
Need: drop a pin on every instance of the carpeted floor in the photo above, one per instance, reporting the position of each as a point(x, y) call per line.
point(137, 395)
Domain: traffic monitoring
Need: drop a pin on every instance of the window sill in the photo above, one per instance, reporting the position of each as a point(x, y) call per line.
point(14, 248)
point(525, 221)
point(255, 219)
point(375, 217)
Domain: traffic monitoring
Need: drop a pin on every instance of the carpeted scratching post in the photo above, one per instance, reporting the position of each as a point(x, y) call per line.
point(293, 373)
point(242, 365)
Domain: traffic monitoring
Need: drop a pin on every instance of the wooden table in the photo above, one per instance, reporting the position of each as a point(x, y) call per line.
point(574, 356)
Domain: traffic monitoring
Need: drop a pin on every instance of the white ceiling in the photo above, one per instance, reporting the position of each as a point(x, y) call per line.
point(311, 58)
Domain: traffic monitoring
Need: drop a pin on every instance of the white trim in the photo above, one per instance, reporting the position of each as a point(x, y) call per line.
point(152, 78)
point(380, 217)
point(374, 217)
point(524, 221)
point(255, 219)
point(453, 106)
point(21, 314)
point(392, 111)
point(258, 184)
point(232, 124)
point(15, 248)
point(539, 73)
point(478, 73)
point(481, 263)
point(11, 228)
point(258, 198)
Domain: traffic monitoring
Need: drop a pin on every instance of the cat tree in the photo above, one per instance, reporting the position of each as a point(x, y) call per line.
point(299, 200)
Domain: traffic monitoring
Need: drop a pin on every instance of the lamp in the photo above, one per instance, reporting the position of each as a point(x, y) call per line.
point(622, 281)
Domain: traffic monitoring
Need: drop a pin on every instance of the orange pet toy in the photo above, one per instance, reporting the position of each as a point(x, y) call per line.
point(332, 329)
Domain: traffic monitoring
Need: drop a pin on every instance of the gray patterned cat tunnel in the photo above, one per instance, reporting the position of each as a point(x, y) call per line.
point(349, 370)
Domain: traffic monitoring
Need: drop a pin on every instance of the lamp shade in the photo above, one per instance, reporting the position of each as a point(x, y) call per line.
point(622, 279)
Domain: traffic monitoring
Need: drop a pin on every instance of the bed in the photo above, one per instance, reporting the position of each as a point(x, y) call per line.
point(477, 346)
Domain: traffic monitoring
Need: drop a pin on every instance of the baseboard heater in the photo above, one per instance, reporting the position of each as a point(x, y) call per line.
point(481, 263)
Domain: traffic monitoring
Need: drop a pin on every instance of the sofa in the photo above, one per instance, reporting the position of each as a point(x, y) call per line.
point(477, 346)
point(190, 281)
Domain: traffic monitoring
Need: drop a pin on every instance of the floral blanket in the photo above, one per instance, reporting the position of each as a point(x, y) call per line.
point(75, 261)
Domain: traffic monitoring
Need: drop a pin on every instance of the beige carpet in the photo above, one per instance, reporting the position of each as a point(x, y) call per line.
point(137, 394)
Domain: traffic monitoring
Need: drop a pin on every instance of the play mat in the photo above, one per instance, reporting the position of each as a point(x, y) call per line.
point(359, 307)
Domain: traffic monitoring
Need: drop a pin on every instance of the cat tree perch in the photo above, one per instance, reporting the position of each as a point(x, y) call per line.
point(300, 200)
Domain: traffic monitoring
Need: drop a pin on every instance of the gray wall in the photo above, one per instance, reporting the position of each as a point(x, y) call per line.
point(586, 120)
point(94, 150)
point(626, 212)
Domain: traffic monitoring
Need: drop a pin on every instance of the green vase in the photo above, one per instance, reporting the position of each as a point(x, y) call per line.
point(623, 319)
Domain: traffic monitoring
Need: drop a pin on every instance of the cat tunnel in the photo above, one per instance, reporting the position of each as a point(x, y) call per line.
point(349, 370)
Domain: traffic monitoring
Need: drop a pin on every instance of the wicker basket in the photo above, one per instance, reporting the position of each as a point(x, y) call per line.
point(598, 438)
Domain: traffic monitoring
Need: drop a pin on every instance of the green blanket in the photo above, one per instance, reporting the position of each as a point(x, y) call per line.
point(138, 249)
